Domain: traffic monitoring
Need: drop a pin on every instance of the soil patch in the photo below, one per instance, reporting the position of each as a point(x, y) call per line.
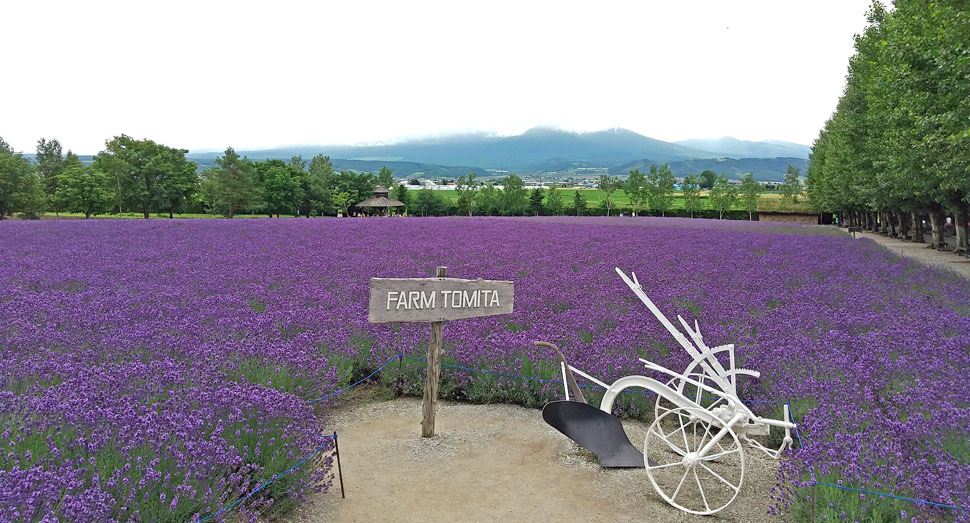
point(495, 462)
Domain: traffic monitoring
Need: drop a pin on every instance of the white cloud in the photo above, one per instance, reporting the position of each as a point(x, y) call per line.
point(256, 74)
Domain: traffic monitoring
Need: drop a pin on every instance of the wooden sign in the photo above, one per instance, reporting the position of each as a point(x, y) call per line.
point(435, 300)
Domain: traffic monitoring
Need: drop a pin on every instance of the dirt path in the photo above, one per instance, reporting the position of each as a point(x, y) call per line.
point(922, 253)
point(494, 462)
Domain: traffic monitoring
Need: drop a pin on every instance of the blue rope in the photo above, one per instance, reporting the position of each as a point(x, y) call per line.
point(893, 496)
point(541, 380)
point(483, 371)
point(596, 387)
point(881, 494)
point(358, 382)
point(270, 482)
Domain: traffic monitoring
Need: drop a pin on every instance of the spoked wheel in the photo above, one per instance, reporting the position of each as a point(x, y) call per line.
point(691, 392)
point(695, 482)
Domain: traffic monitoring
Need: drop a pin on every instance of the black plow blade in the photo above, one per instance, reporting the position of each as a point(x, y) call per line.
point(596, 431)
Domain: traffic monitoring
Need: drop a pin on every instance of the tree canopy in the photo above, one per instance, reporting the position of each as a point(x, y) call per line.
point(897, 147)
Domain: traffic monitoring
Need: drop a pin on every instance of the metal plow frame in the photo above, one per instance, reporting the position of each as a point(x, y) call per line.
point(714, 463)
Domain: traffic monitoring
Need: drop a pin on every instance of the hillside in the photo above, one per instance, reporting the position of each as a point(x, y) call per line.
point(546, 150)
point(734, 148)
point(537, 149)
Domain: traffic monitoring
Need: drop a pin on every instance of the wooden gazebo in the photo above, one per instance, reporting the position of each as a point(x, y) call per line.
point(381, 201)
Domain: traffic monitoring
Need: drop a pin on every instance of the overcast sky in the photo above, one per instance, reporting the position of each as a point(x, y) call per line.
point(204, 75)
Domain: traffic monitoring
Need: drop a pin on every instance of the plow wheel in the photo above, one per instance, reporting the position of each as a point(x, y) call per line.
point(691, 392)
point(695, 482)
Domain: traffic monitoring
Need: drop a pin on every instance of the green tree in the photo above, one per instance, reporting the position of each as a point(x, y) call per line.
point(341, 202)
point(513, 196)
point(280, 189)
point(535, 201)
point(660, 188)
point(401, 195)
point(84, 189)
point(359, 186)
point(21, 190)
point(636, 189)
point(50, 164)
point(33, 198)
point(177, 182)
point(320, 185)
point(723, 196)
point(466, 186)
point(750, 191)
point(429, 203)
point(489, 200)
point(385, 179)
point(707, 179)
point(230, 187)
point(579, 203)
point(792, 185)
point(148, 175)
point(609, 186)
point(692, 194)
point(554, 203)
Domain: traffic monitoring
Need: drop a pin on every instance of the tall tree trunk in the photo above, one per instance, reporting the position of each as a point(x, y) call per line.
point(936, 222)
point(917, 236)
point(170, 213)
point(883, 223)
point(144, 209)
point(960, 216)
point(903, 225)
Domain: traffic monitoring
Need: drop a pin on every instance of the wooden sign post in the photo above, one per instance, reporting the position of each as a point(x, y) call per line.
point(436, 300)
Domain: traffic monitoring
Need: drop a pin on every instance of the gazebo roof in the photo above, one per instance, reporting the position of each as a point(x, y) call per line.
point(380, 201)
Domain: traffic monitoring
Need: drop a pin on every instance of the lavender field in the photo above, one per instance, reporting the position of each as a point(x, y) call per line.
point(158, 370)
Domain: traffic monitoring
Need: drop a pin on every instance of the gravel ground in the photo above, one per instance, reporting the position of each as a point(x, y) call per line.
point(492, 462)
point(922, 253)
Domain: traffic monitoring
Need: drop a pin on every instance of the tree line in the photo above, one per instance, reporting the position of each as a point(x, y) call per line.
point(653, 192)
point(897, 148)
point(146, 177)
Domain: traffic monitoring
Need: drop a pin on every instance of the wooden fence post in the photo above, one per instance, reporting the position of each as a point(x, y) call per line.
point(432, 371)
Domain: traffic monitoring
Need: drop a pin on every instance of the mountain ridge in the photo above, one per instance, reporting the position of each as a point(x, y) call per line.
point(535, 150)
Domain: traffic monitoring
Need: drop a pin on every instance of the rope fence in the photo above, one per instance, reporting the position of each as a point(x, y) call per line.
point(329, 441)
point(401, 357)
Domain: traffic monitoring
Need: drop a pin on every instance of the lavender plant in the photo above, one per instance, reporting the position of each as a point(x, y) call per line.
point(167, 368)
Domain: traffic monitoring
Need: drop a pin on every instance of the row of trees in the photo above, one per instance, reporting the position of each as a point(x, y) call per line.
point(897, 148)
point(653, 192)
point(146, 177)
point(237, 184)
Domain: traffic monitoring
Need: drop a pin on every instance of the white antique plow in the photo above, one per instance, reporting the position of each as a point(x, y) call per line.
point(692, 451)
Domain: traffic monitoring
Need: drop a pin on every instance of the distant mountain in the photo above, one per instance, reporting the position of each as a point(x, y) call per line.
point(400, 169)
point(537, 149)
point(764, 169)
point(541, 150)
point(734, 148)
